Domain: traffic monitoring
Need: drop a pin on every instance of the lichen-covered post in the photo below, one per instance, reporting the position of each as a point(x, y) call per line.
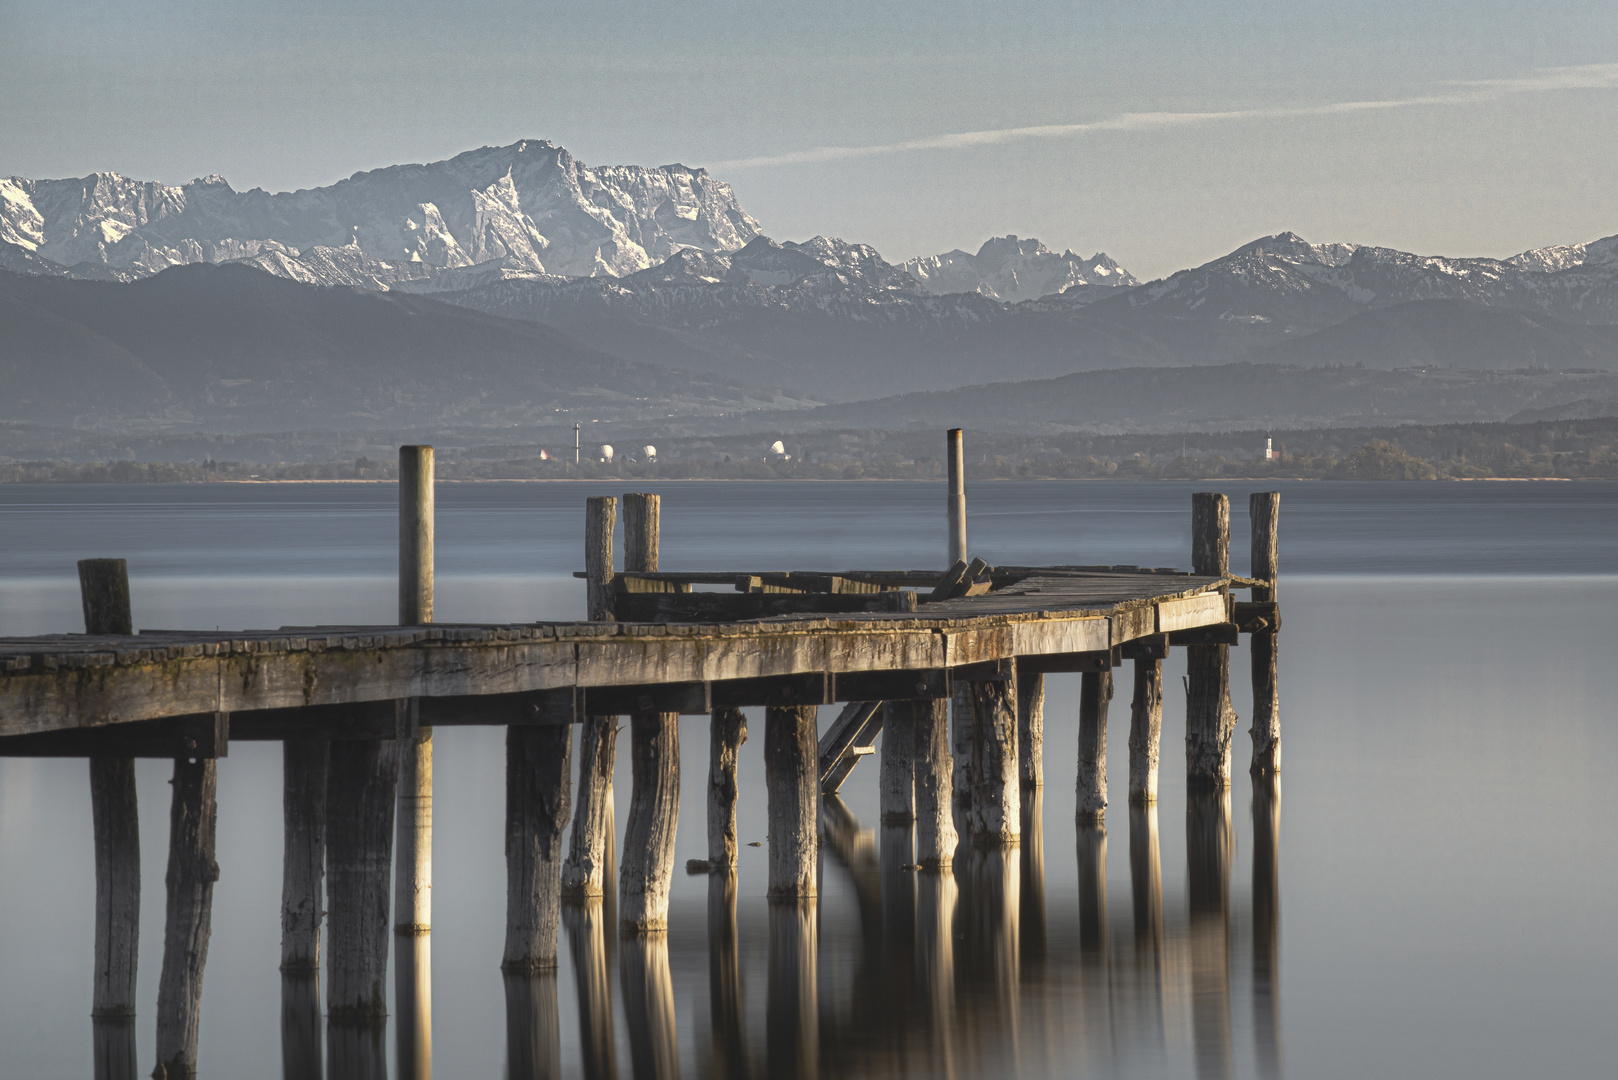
point(1264, 509)
point(1095, 693)
point(898, 778)
point(726, 733)
point(647, 870)
point(1031, 729)
point(790, 761)
point(935, 769)
point(996, 795)
point(413, 855)
point(585, 869)
point(114, 812)
point(538, 802)
point(1210, 718)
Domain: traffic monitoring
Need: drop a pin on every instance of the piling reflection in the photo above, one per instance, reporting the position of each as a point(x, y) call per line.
point(1146, 901)
point(725, 1057)
point(300, 1027)
point(356, 1051)
point(533, 1027)
point(114, 1047)
point(792, 1019)
point(648, 991)
point(413, 1005)
point(1209, 844)
point(586, 925)
point(936, 897)
point(1032, 855)
point(1267, 924)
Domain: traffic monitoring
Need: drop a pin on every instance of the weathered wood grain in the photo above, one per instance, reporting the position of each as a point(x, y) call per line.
point(790, 783)
point(954, 455)
point(114, 812)
point(415, 535)
point(188, 921)
point(600, 515)
point(897, 781)
point(585, 868)
point(727, 731)
point(1095, 694)
point(1210, 719)
point(361, 781)
point(1145, 730)
point(1030, 728)
point(539, 797)
point(996, 795)
point(935, 784)
point(647, 869)
point(303, 859)
point(1264, 509)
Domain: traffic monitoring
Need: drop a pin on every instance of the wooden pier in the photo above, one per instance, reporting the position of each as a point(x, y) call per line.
point(355, 706)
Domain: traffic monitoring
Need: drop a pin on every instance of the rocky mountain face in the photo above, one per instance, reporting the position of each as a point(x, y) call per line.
point(1012, 269)
point(529, 209)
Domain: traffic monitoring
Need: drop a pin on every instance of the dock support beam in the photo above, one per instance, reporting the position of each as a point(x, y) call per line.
point(726, 733)
point(539, 799)
point(955, 455)
point(114, 809)
point(789, 779)
point(585, 870)
point(898, 780)
point(361, 785)
point(1210, 718)
point(413, 854)
point(1095, 693)
point(1031, 729)
point(647, 871)
point(191, 874)
point(996, 797)
point(935, 784)
point(1264, 510)
point(303, 864)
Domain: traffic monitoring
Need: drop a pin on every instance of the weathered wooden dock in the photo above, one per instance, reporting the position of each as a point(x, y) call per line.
point(948, 664)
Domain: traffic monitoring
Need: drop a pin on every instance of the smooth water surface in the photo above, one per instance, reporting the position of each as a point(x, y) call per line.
point(1427, 892)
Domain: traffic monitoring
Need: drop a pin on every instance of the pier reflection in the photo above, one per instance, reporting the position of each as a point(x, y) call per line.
point(300, 1027)
point(413, 1005)
point(1209, 846)
point(533, 1027)
point(648, 990)
point(1267, 925)
point(114, 1047)
point(587, 935)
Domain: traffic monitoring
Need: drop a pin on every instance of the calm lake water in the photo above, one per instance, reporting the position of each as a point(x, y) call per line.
point(1427, 892)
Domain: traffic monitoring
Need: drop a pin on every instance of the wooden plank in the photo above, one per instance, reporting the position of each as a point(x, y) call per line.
point(1190, 611)
point(856, 726)
point(1257, 616)
point(202, 735)
point(713, 607)
point(1213, 634)
point(891, 685)
point(1152, 647)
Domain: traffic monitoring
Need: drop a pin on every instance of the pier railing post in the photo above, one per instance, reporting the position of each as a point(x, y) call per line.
point(1210, 718)
point(413, 855)
point(114, 810)
point(1264, 510)
point(647, 871)
point(584, 871)
point(955, 455)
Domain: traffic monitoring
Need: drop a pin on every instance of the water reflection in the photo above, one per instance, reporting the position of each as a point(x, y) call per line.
point(648, 988)
point(413, 1004)
point(1267, 924)
point(356, 1051)
point(792, 1028)
point(1209, 844)
point(725, 1057)
point(114, 1042)
point(533, 1027)
point(587, 935)
point(300, 1026)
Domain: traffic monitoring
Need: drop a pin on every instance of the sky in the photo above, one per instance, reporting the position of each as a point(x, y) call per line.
point(1163, 132)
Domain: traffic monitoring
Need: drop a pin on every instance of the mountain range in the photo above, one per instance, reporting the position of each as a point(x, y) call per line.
point(660, 270)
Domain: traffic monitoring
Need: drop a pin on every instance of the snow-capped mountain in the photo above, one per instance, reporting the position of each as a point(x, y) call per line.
point(1012, 269)
point(528, 209)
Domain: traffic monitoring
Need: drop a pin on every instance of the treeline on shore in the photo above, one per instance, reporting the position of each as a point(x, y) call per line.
point(1571, 449)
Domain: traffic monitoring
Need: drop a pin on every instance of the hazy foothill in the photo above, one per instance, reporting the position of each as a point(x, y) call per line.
point(494, 299)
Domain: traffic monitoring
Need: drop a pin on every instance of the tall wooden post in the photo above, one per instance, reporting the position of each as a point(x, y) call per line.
point(961, 721)
point(1031, 729)
point(996, 795)
point(1210, 719)
point(647, 870)
point(585, 869)
point(1095, 693)
point(935, 785)
point(1264, 509)
point(303, 863)
point(956, 458)
point(539, 799)
point(191, 875)
point(790, 782)
point(413, 856)
point(898, 779)
point(1145, 730)
point(114, 811)
point(726, 733)
point(361, 783)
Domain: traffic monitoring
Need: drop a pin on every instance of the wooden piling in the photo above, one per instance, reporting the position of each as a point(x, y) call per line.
point(961, 721)
point(935, 821)
point(585, 869)
point(361, 781)
point(1210, 718)
point(726, 733)
point(539, 799)
point(1145, 730)
point(1264, 510)
point(898, 778)
point(954, 453)
point(303, 863)
point(413, 849)
point(114, 812)
point(789, 778)
point(1095, 693)
point(647, 870)
point(192, 872)
point(1031, 729)
point(996, 796)
point(415, 535)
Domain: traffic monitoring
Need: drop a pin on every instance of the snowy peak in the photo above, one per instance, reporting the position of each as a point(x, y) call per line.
point(1291, 246)
point(1603, 252)
point(1012, 269)
point(532, 207)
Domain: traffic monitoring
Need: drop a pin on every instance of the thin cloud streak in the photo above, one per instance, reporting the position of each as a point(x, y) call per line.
point(1542, 80)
